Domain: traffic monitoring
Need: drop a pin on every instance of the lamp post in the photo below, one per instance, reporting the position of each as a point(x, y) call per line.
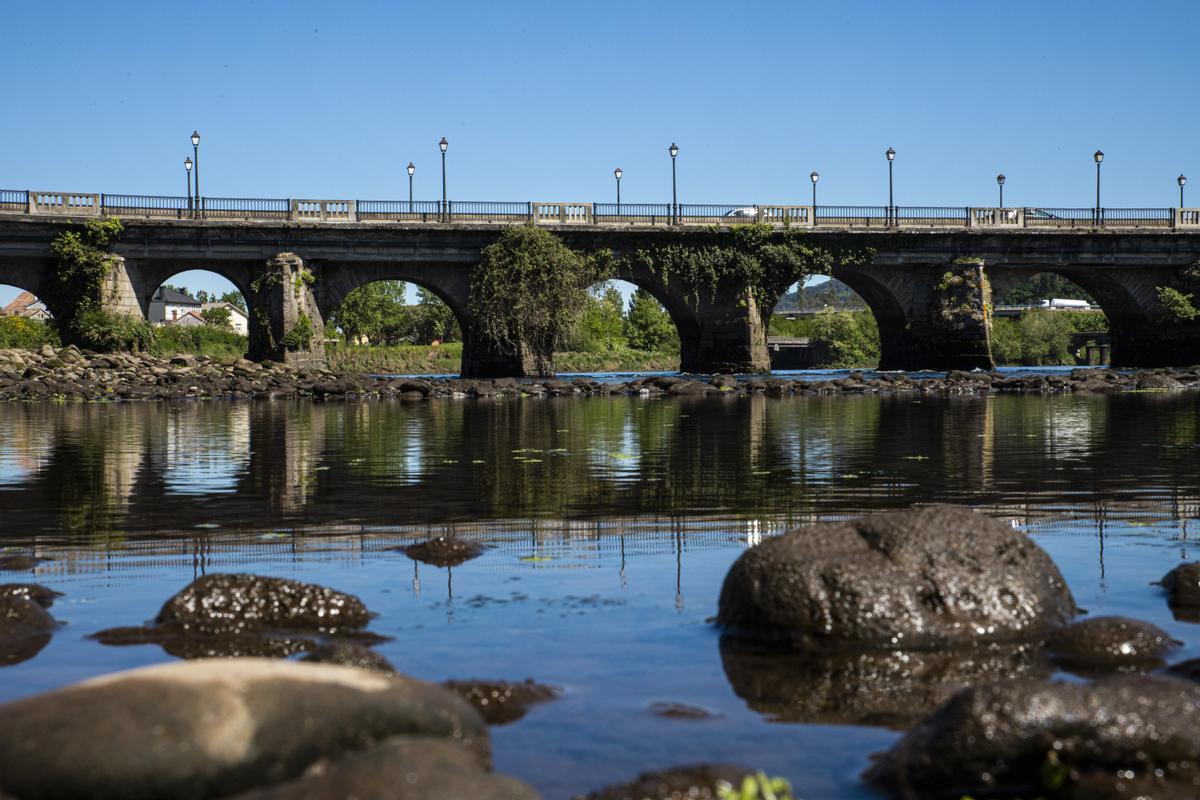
point(1099, 156)
point(891, 157)
point(411, 169)
point(674, 151)
point(442, 145)
point(814, 176)
point(187, 167)
point(617, 173)
point(1182, 181)
point(1000, 181)
point(196, 155)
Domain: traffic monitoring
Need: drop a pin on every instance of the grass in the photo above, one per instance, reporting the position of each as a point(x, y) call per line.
point(446, 359)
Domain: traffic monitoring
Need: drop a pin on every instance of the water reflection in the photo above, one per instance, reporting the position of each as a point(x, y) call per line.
point(126, 470)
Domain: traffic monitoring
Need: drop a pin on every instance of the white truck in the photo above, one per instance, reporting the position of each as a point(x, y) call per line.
point(1061, 302)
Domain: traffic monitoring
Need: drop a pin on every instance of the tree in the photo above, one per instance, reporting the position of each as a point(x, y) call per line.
point(851, 336)
point(234, 299)
point(217, 317)
point(648, 326)
point(1043, 286)
point(433, 319)
point(600, 328)
point(368, 310)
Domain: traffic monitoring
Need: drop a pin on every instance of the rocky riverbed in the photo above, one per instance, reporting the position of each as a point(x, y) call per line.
point(68, 374)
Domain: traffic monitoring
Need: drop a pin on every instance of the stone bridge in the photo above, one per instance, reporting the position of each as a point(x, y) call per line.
point(285, 267)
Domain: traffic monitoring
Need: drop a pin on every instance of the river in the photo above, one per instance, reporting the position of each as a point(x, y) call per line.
point(610, 523)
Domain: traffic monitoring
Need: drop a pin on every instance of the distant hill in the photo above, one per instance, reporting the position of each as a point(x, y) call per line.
point(831, 293)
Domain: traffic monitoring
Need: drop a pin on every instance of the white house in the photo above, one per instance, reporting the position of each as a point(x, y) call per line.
point(237, 318)
point(167, 305)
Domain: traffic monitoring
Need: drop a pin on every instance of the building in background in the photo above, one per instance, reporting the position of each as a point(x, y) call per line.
point(168, 305)
point(27, 306)
point(237, 318)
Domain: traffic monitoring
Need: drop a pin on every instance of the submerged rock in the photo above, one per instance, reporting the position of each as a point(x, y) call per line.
point(203, 729)
point(1110, 644)
point(443, 552)
point(886, 688)
point(39, 594)
point(19, 562)
point(183, 644)
point(1183, 591)
point(1027, 738)
point(693, 782)
point(223, 604)
point(25, 628)
point(926, 577)
point(501, 702)
point(349, 654)
point(672, 710)
point(400, 769)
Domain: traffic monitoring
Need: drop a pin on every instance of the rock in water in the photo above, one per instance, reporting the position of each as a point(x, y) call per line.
point(222, 604)
point(694, 782)
point(400, 769)
point(39, 594)
point(922, 578)
point(1025, 738)
point(349, 654)
point(202, 729)
point(443, 552)
point(1183, 591)
point(25, 628)
point(1110, 644)
point(501, 702)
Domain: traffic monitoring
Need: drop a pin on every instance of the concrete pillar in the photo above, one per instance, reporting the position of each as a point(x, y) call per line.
point(946, 324)
point(484, 358)
point(729, 336)
point(117, 294)
point(285, 322)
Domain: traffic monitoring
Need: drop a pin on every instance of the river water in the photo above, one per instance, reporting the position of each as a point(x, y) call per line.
point(610, 525)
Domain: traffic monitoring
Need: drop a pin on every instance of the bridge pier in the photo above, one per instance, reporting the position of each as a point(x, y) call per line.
point(726, 334)
point(285, 321)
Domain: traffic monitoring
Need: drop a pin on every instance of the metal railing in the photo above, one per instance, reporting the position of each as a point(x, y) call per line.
point(76, 204)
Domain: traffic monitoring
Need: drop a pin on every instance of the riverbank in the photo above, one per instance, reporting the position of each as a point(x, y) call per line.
point(417, 359)
point(67, 374)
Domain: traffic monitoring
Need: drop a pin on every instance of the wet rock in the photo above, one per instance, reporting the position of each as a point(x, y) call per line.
point(501, 702)
point(923, 578)
point(1109, 644)
point(443, 552)
point(400, 769)
point(1157, 380)
point(222, 604)
point(30, 591)
point(349, 654)
point(693, 782)
point(1027, 738)
point(25, 628)
point(1183, 591)
point(19, 562)
point(1189, 670)
point(671, 710)
point(890, 689)
point(184, 644)
point(210, 728)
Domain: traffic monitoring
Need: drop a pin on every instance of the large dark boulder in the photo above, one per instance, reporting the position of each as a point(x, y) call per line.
point(1183, 591)
point(201, 729)
point(693, 782)
point(400, 769)
point(886, 688)
point(25, 628)
point(917, 579)
point(1110, 644)
point(1035, 739)
point(221, 604)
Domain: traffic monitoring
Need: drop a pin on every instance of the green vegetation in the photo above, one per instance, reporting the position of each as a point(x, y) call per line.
point(529, 289)
point(202, 340)
point(1043, 286)
point(398, 359)
point(1042, 338)
point(217, 317)
point(1175, 306)
point(301, 334)
point(757, 787)
point(28, 334)
point(648, 326)
point(376, 314)
point(852, 337)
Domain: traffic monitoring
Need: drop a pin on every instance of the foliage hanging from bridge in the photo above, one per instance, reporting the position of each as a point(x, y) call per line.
point(756, 258)
point(528, 289)
point(74, 292)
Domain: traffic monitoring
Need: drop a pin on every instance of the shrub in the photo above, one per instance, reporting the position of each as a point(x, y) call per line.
point(26, 333)
point(106, 332)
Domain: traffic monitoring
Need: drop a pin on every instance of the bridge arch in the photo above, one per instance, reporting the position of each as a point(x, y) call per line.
point(148, 277)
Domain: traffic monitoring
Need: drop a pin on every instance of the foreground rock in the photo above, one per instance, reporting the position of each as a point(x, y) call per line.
point(886, 688)
point(694, 782)
point(1110, 644)
point(501, 702)
point(400, 769)
point(248, 615)
point(443, 552)
point(210, 728)
point(1183, 591)
point(25, 628)
point(39, 594)
point(1120, 737)
point(19, 562)
point(923, 578)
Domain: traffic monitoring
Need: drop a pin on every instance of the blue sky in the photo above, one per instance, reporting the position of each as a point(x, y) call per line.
point(543, 100)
